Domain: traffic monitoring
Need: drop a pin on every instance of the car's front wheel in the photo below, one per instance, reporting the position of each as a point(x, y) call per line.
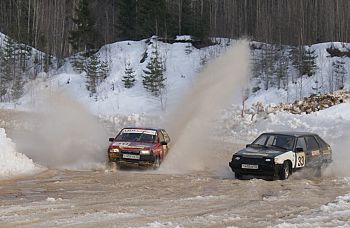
point(156, 163)
point(112, 166)
point(238, 176)
point(285, 171)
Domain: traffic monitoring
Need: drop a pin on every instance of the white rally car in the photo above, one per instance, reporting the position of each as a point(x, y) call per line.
point(278, 154)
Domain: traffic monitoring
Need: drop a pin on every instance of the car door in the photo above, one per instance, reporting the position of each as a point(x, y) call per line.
point(300, 150)
point(313, 152)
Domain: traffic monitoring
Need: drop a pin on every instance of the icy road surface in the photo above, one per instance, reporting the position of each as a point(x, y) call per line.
point(151, 199)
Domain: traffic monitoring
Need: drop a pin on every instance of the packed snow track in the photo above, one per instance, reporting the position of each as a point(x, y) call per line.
point(57, 198)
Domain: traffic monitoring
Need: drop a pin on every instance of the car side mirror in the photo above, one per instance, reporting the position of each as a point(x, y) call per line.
point(163, 143)
point(299, 149)
point(111, 139)
point(246, 146)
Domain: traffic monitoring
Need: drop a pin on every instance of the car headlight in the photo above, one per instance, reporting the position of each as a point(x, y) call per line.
point(114, 150)
point(145, 152)
point(268, 159)
point(237, 158)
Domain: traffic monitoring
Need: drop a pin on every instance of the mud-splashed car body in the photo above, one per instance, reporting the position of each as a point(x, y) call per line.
point(139, 147)
point(278, 154)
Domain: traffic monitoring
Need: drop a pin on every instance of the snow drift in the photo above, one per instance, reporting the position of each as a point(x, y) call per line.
point(13, 163)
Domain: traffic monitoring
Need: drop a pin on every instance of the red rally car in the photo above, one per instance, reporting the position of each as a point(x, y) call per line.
point(139, 146)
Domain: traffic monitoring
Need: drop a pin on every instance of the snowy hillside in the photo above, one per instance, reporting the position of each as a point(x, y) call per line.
point(183, 62)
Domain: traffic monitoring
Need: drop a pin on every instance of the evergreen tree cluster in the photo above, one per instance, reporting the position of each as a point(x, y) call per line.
point(95, 69)
point(13, 65)
point(18, 64)
point(283, 66)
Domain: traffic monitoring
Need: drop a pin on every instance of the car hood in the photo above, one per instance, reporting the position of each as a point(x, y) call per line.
point(132, 145)
point(259, 152)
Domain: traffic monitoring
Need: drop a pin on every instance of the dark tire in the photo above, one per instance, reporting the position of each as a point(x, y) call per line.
point(285, 171)
point(156, 163)
point(238, 176)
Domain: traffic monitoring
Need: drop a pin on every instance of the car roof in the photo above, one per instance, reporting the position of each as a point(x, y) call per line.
point(291, 133)
point(144, 128)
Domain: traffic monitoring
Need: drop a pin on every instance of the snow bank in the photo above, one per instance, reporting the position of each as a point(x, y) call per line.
point(11, 162)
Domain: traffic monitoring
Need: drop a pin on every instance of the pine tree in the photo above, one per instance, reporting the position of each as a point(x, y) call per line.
point(104, 70)
point(309, 62)
point(268, 62)
point(282, 67)
point(78, 63)
point(339, 73)
point(24, 55)
point(8, 67)
point(3, 88)
point(92, 74)
point(96, 70)
point(154, 76)
point(84, 37)
point(17, 88)
point(8, 59)
point(129, 76)
point(304, 61)
point(47, 62)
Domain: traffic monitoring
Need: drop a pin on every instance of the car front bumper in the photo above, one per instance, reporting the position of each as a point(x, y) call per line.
point(261, 167)
point(144, 160)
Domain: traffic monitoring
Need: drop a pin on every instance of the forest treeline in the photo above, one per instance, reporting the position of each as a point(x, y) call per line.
point(63, 27)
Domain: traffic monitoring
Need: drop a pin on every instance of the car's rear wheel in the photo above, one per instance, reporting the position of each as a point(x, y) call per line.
point(285, 172)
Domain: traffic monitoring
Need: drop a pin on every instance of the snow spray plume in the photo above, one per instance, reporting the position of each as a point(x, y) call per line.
point(64, 135)
point(191, 123)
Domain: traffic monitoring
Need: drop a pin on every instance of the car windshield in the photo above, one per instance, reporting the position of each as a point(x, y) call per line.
point(285, 142)
point(137, 137)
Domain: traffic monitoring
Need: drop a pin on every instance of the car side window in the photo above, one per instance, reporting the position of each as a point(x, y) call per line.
point(166, 136)
point(311, 143)
point(301, 143)
point(322, 143)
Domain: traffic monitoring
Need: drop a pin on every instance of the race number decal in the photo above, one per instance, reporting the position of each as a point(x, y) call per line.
point(300, 160)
